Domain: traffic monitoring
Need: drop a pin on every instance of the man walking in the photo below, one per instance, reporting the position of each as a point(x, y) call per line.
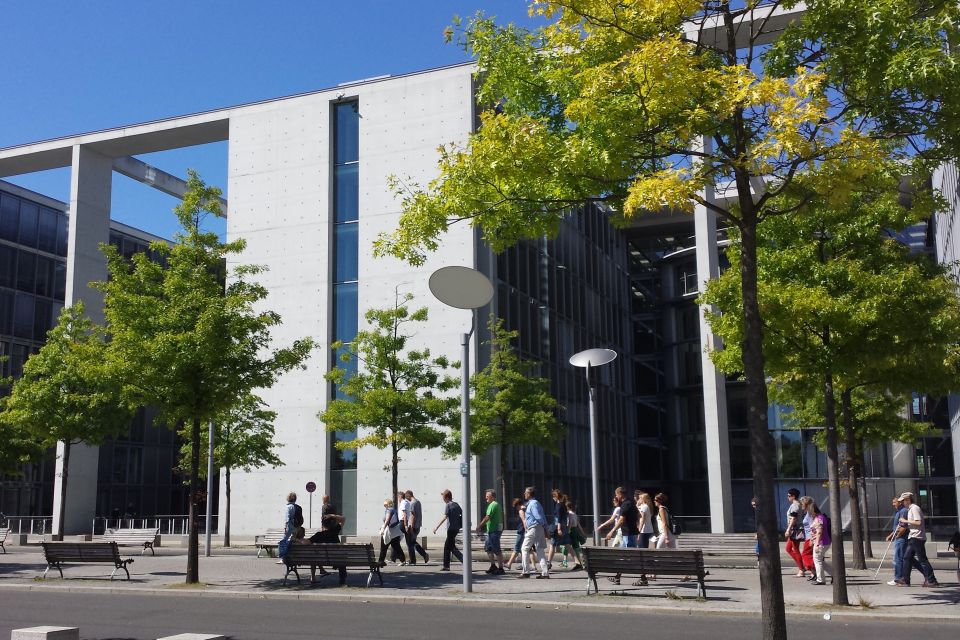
point(899, 538)
point(414, 522)
point(534, 538)
point(403, 515)
point(453, 515)
point(628, 520)
point(493, 522)
point(794, 534)
point(917, 536)
point(292, 515)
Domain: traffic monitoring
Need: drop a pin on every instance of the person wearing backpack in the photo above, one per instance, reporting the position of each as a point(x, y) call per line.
point(820, 528)
point(453, 515)
point(293, 515)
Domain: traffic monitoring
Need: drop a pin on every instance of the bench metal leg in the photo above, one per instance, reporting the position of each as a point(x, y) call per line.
point(3, 547)
point(369, 578)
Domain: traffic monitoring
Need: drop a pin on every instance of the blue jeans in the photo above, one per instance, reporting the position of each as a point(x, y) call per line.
point(899, 549)
point(629, 542)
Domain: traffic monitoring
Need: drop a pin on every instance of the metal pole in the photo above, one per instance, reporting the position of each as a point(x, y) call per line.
point(310, 513)
point(209, 487)
point(594, 479)
point(465, 458)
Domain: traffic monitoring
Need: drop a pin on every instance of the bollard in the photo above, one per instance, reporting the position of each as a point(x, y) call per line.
point(46, 633)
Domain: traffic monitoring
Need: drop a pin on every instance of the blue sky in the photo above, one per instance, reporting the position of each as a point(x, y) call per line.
point(71, 67)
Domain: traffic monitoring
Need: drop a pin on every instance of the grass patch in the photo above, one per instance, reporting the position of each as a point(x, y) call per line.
point(673, 595)
point(863, 603)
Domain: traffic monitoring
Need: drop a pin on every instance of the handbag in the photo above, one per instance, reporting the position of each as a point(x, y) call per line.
point(385, 536)
point(675, 528)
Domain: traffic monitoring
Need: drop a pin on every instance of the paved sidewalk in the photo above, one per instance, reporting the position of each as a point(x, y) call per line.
point(730, 591)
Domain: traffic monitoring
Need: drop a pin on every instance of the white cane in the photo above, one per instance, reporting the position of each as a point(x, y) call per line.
point(882, 559)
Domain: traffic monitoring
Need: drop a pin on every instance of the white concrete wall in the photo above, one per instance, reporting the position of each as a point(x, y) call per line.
point(280, 203)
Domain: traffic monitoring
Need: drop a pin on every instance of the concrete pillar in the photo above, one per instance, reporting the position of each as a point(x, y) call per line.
point(953, 404)
point(90, 187)
point(714, 382)
point(46, 633)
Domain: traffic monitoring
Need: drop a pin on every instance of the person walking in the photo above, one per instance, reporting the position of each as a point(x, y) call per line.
point(414, 522)
point(560, 534)
point(646, 508)
point(290, 519)
point(820, 530)
point(794, 533)
point(534, 538)
point(899, 539)
point(390, 533)
point(517, 505)
point(916, 552)
point(492, 523)
point(627, 521)
point(577, 536)
point(453, 515)
point(612, 520)
point(403, 514)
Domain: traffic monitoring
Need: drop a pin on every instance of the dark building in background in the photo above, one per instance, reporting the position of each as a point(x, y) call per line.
point(136, 473)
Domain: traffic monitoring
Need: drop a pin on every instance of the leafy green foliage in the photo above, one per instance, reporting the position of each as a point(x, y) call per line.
point(396, 398)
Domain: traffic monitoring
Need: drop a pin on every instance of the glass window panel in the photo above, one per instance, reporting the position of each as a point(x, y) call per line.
point(44, 277)
point(26, 267)
point(60, 281)
point(346, 193)
point(791, 454)
point(9, 217)
point(345, 250)
point(18, 355)
point(6, 312)
point(23, 316)
point(41, 320)
point(8, 266)
point(345, 312)
point(47, 231)
point(348, 132)
point(63, 234)
point(28, 223)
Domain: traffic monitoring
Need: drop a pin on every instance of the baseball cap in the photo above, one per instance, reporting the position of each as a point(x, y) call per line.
point(905, 495)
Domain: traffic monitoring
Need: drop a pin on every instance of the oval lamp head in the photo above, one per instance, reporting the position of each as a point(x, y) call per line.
point(461, 287)
point(593, 357)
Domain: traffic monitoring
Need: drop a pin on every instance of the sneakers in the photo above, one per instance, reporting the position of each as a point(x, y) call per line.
point(444, 568)
point(499, 571)
point(523, 575)
point(892, 583)
point(901, 583)
point(543, 576)
point(577, 567)
point(426, 558)
point(383, 563)
point(819, 583)
point(931, 585)
point(401, 564)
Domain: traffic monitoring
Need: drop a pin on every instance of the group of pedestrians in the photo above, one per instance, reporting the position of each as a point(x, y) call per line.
point(909, 537)
point(808, 537)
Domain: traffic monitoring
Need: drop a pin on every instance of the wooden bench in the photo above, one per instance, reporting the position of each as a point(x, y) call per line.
point(268, 541)
point(3, 538)
point(720, 544)
point(642, 562)
point(59, 553)
point(331, 555)
point(133, 538)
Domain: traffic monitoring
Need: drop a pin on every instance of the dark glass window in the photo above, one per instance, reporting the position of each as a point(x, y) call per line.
point(41, 320)
point(9, 217)
point(29, 213)
point(8, 266)
point(345, 315)
point(6, 313)
point(44, 277)
point(348, 132)
point(60, 281)
point(26, 266)
point(23, 316)
point(347, 190)
point(47, 231)
point(18, 355)
point(63, 235)
point(345, 249)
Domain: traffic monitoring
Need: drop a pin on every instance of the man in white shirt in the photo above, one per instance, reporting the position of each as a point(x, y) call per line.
point(916, 553)
point(403, 513)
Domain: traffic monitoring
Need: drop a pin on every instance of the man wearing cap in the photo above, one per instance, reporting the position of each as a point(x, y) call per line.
point(917, 536)
point(899, 538)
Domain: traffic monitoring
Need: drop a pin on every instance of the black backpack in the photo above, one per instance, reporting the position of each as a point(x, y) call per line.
point(297, 515)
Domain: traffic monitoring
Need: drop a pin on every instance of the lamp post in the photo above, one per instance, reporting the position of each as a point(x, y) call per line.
point(587, 359)
point(463, 288)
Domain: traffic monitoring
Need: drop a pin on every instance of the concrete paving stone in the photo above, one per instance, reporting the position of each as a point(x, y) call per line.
point(46, 633)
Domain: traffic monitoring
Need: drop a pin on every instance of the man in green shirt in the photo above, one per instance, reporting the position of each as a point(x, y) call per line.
point(493, 524)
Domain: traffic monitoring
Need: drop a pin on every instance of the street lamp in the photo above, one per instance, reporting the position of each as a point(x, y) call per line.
point(587, 359)
point(463, 288)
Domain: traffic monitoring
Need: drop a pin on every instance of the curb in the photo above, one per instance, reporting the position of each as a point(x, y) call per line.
point(480, 601)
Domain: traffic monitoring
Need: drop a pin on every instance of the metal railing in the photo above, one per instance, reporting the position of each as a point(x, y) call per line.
point(170, 525)
point(33, 525)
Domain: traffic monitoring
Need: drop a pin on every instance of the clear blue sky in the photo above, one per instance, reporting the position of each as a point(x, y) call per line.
point(71, 67)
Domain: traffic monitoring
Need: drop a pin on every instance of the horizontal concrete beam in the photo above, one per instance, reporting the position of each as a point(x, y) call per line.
point(46, 633)
point(759, 26)
point(156, 178)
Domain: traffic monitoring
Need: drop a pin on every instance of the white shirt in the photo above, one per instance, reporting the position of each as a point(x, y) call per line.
point(403, 511)
point(918, 532)
point(648, 522)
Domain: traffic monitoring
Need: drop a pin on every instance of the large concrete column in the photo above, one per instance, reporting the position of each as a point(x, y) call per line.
point(714, 382)
point(90, 186)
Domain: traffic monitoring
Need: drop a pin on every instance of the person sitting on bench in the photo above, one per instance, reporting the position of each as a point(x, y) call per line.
point(331, 525)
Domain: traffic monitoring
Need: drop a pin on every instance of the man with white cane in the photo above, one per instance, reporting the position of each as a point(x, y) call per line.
point(899, 539)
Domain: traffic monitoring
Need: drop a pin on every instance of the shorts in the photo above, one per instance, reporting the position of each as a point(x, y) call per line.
point(492, 543)
point(518, 545)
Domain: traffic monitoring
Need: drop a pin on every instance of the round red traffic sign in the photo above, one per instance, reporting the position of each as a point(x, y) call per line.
point(311, 486)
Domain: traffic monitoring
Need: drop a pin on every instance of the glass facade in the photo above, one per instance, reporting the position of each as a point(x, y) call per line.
point(345, 311)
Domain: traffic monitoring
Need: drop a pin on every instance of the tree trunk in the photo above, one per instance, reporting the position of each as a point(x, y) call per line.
point(773, 621)
point(867, 545)
point(504, 502)
point(226, 521)
point(395, 462)
point(853, 474)
point(63, 489)
point(833, 477)
point(193, 547)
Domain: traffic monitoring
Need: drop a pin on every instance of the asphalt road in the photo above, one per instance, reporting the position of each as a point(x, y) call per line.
point(147, 617)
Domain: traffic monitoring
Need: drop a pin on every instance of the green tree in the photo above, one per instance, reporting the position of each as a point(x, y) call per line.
point(67, 393)
point(17, 448)
point(510, 405)
point(186, 343)
point(847, 307)
point(393, 397)
point(243, 439)
point(603, 101)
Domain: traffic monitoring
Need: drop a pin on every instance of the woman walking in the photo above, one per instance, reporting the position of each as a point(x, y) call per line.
point(560, 528)
point(517, 505)
point(666, 539)
point(820, 528)
point(646, 506)
point(577, 537)
point(390, 534)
